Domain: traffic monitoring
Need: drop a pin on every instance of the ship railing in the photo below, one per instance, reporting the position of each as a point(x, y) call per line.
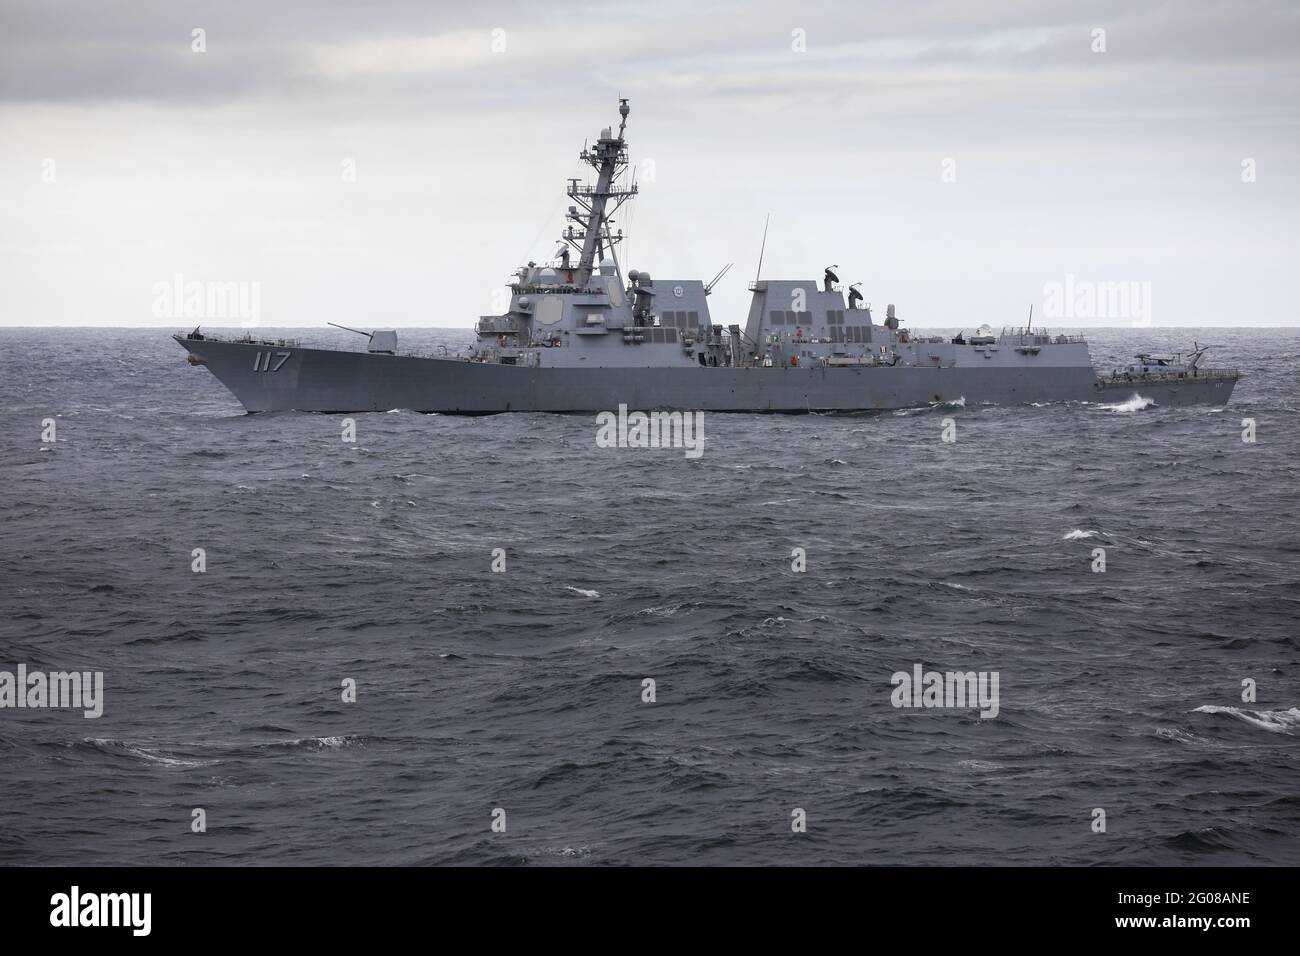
point(1203, 374)
point(1024, 336)
point(272, 343)
point(554, 288)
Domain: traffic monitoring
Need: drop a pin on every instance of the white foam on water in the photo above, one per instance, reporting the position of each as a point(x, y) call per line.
point(1134, 404)
point(147, 754)
point(568, 851)
point(1180, 736)
point(322, 743)
point(667, 610)
point(1274, 721)
point(1079, 533)
point(583, 592)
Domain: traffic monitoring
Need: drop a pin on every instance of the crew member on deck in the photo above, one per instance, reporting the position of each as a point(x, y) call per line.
point(854, 295)
point(831, 278)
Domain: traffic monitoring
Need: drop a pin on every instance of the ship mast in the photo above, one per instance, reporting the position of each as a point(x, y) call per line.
point(599, 203)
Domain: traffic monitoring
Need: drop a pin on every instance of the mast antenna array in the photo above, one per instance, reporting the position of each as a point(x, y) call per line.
point(593, 235)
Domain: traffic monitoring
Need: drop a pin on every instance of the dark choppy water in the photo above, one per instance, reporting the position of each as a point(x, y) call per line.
point(478, 690)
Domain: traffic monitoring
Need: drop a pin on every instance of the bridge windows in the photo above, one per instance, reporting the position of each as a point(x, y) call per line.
point(786, 317)
point(680, 320)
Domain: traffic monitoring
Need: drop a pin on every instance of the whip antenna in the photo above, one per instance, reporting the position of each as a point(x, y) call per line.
point(762, 248)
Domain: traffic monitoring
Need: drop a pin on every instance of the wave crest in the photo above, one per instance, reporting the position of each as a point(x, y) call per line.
point(1274, 721)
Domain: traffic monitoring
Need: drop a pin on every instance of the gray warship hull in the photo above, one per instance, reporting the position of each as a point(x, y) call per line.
point(266, 378)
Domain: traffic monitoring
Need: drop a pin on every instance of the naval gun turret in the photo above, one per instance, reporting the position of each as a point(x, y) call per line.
point(381, 341)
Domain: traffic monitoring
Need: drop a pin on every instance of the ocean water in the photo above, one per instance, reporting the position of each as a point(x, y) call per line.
point(371, 562)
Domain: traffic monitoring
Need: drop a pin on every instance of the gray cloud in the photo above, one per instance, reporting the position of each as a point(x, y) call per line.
point(1122, 165)
point(80, 51)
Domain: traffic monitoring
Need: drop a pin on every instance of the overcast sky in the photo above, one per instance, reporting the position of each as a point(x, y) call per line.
point(957, 157)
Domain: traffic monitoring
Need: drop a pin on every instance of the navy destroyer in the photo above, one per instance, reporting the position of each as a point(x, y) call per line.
point(580, 336)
